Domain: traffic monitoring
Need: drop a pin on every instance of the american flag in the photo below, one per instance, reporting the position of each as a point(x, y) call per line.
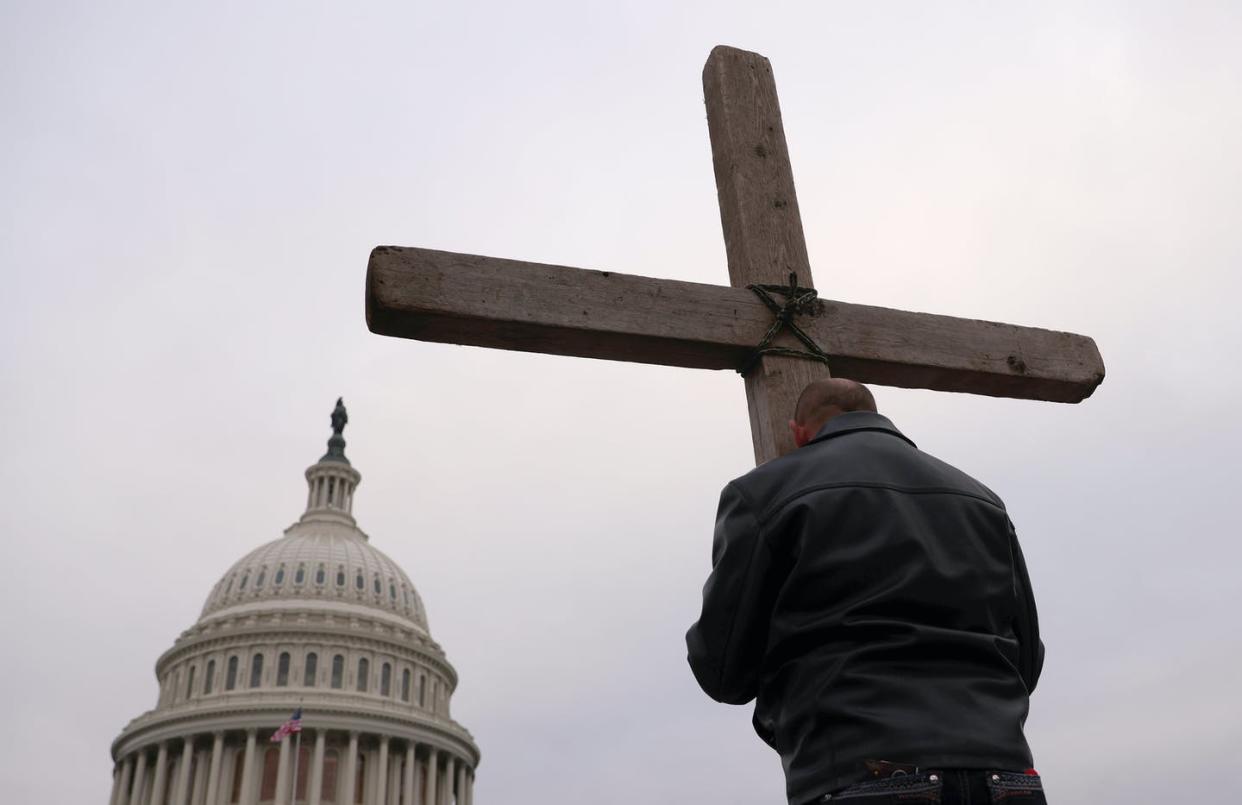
point(291, 726)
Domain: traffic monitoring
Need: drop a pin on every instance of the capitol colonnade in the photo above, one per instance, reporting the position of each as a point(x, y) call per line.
point(320, 620)
point(211, 769)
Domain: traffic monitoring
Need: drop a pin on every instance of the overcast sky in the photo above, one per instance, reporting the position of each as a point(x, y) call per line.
point(188, 194)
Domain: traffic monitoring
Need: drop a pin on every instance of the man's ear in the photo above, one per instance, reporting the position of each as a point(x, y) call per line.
point(799, 435)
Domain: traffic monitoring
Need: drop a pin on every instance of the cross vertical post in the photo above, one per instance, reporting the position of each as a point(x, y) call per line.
point(763, 235)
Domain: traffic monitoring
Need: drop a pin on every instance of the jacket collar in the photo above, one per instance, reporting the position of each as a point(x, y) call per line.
point(858, 421)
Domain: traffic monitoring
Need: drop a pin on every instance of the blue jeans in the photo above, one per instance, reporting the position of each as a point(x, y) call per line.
point(949, 787)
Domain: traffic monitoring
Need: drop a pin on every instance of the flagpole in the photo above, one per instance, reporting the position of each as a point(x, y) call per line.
point(297, 752)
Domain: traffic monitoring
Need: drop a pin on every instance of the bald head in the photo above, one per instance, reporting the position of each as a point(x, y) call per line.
point(821, 400)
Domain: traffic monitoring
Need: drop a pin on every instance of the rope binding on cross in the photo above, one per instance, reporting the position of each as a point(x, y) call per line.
point(797, 301)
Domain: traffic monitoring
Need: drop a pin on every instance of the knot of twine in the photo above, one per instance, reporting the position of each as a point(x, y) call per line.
point(797, 301)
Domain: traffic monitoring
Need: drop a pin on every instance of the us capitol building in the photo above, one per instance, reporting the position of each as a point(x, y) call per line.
point(318, 619)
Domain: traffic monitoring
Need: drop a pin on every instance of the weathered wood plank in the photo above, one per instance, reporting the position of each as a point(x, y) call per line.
point(508, 304)
point(754, 179)
point(762, 226)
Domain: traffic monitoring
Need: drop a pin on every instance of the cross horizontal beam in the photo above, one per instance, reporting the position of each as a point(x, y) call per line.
point(508, 304)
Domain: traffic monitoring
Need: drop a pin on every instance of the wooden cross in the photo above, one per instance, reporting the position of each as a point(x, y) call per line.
point(491, 302)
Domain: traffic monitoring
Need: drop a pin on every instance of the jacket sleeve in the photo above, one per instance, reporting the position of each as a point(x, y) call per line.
point(1026, 624)
point(727, 644)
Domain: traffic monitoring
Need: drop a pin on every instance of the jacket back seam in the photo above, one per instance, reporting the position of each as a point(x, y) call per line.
point(775, 508)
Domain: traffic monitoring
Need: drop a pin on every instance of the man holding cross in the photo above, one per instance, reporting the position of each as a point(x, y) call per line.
point(780, 346)
point(873, 600)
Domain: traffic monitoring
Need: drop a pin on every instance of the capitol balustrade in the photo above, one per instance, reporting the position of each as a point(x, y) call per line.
point(269, 707)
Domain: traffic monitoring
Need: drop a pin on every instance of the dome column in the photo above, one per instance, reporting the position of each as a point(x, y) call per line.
point(248, 770)
point(120, 789)
point(351, 769)
point(117, 769)
point(140, 780)
point(407, 783)
point(394, 779)
point(461, 783)
point(213, 771)
point(470, 788)
point(160, 784)
point(450, 765)
point(381, 773)
point(199, 780)
point(282, 772)
point(127, 772)
point(432, 760)
point(182, 787)
point(316, 769)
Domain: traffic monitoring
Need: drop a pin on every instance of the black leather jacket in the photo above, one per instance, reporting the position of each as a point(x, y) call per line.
point(875, 602)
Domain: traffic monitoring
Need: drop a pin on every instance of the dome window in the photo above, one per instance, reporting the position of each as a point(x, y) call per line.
point(209, 679)
point(359, 583)
point(338, 671)
point(340, 577)
point(230, 677)
point(282, 670)
point(386, 680)
point(320, 575)
point(258, 582)
point(189, 682)
point(364, 671)
point(378, 586)
point(229, 588)
point(280, 576)
point(422, 690)
point(245, 578)
point(405, 685)
point(392, 590)
point(312, 669)
point(405, 592)
point(256, 670)
point(300, 576)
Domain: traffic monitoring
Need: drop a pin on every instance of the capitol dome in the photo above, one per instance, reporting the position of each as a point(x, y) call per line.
point(320, 621)
point(318, 566)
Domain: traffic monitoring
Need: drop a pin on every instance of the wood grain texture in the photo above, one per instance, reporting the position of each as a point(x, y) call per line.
point(532, 307)
point(754, 180)
point(762, 225)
